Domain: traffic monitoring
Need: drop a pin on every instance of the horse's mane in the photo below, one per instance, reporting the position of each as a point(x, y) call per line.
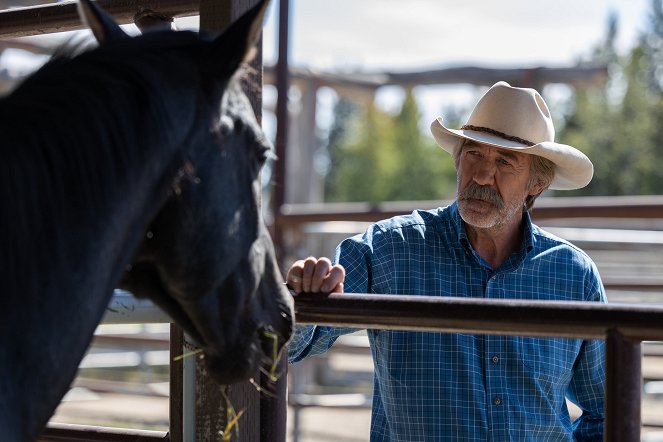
point(74, 130)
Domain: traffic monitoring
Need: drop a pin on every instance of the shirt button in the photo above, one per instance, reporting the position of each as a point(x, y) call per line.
point(497, 401)
point(495, 359)
point(494, 277)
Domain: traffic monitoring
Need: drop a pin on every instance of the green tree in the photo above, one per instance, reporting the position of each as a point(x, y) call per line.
point(344, 112)
point(621, 133)
point(379, 157)
point(652, 41)
point(422, 170)
point(362, 158)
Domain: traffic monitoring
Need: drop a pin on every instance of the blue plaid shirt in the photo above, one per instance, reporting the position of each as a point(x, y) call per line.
point(462, 387)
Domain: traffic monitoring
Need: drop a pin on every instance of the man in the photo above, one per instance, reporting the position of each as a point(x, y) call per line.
point(460, 387)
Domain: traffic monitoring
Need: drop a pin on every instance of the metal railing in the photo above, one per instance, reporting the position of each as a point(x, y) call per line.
point(63, 16)
point(622, 326)
point(124, 308)
point(292, 216)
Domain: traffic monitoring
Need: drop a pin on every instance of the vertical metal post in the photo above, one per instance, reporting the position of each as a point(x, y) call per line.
point(282, 121)
point(274, 406)
point(176, 383)
point(188, 391)
point(623, 388)
point(296, 423)
point(182, 386)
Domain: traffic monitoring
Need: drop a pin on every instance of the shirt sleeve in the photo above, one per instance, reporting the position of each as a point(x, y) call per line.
point(587, 391)
point(587, 387)
point(313, 339)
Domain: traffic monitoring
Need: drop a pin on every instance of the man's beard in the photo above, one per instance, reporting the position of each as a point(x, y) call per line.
point(500, 214)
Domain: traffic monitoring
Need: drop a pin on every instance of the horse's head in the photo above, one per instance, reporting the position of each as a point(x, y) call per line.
point(206, 257)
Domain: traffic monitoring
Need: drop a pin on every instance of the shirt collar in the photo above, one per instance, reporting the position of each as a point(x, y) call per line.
point(528, 234)
point(460, 227)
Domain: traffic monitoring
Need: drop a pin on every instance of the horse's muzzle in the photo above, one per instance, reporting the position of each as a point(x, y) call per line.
point(260, 349)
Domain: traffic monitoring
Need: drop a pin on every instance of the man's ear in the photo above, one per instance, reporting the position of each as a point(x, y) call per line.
point(537, 188)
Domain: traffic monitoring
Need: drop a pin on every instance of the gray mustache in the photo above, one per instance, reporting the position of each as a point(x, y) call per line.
point(483, 193)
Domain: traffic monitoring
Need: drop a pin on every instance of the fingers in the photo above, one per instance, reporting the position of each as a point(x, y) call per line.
point(298, 273)
point(314, 275)
point(309, 274)
point(334, 280)
point(320, 271)
point(294, 277)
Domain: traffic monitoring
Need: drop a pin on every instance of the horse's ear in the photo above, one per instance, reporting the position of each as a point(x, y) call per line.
point(101, 24)
point(237, 43)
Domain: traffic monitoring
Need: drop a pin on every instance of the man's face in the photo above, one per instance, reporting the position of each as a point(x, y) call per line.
point(492, 185)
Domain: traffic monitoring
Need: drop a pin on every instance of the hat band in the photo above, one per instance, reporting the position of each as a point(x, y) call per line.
point(497, 134)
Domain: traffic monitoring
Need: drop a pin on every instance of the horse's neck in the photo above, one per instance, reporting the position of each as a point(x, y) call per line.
point(92, 180)
point(51, 319)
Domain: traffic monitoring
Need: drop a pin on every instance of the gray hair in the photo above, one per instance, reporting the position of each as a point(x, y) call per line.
point(542, 172)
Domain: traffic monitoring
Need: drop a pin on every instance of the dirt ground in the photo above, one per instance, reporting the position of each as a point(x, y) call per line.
point(315, 424)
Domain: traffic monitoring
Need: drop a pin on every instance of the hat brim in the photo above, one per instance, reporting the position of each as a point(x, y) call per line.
point(573, 169)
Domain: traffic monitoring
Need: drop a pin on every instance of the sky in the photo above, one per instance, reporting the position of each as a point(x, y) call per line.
point(353, 34)
point(406, 35)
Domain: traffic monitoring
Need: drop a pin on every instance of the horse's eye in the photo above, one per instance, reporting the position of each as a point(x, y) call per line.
point(263, 154)
point(263, 150)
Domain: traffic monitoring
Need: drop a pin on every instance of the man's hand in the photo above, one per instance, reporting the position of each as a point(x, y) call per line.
point(315, 275)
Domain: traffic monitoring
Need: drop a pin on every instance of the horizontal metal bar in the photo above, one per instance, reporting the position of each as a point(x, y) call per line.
point(632, 284)
point(57, 432)
point(63, 16)
point(647, 207)
point(125, 308)
point(515, 317)
point(576, 76)
point(151, 340)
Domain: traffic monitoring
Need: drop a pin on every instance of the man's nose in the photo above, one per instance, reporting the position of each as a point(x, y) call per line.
point(484, 173)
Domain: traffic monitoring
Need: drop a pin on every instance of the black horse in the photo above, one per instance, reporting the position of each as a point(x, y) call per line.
point(133, 165)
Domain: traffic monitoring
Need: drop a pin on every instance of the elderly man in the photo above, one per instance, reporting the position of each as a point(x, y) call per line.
point(460, 387)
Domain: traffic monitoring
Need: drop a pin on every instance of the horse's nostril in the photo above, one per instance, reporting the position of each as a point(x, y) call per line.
point(287, 315)
point(288, 328)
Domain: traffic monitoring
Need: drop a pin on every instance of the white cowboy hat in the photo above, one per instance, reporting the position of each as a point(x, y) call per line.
point(518, 119)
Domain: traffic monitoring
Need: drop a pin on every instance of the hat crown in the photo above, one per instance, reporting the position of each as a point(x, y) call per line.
point(518, 119)
point(515, 112)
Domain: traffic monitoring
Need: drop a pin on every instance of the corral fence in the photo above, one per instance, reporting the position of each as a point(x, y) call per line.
point(633, 223)
point(623, 326)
